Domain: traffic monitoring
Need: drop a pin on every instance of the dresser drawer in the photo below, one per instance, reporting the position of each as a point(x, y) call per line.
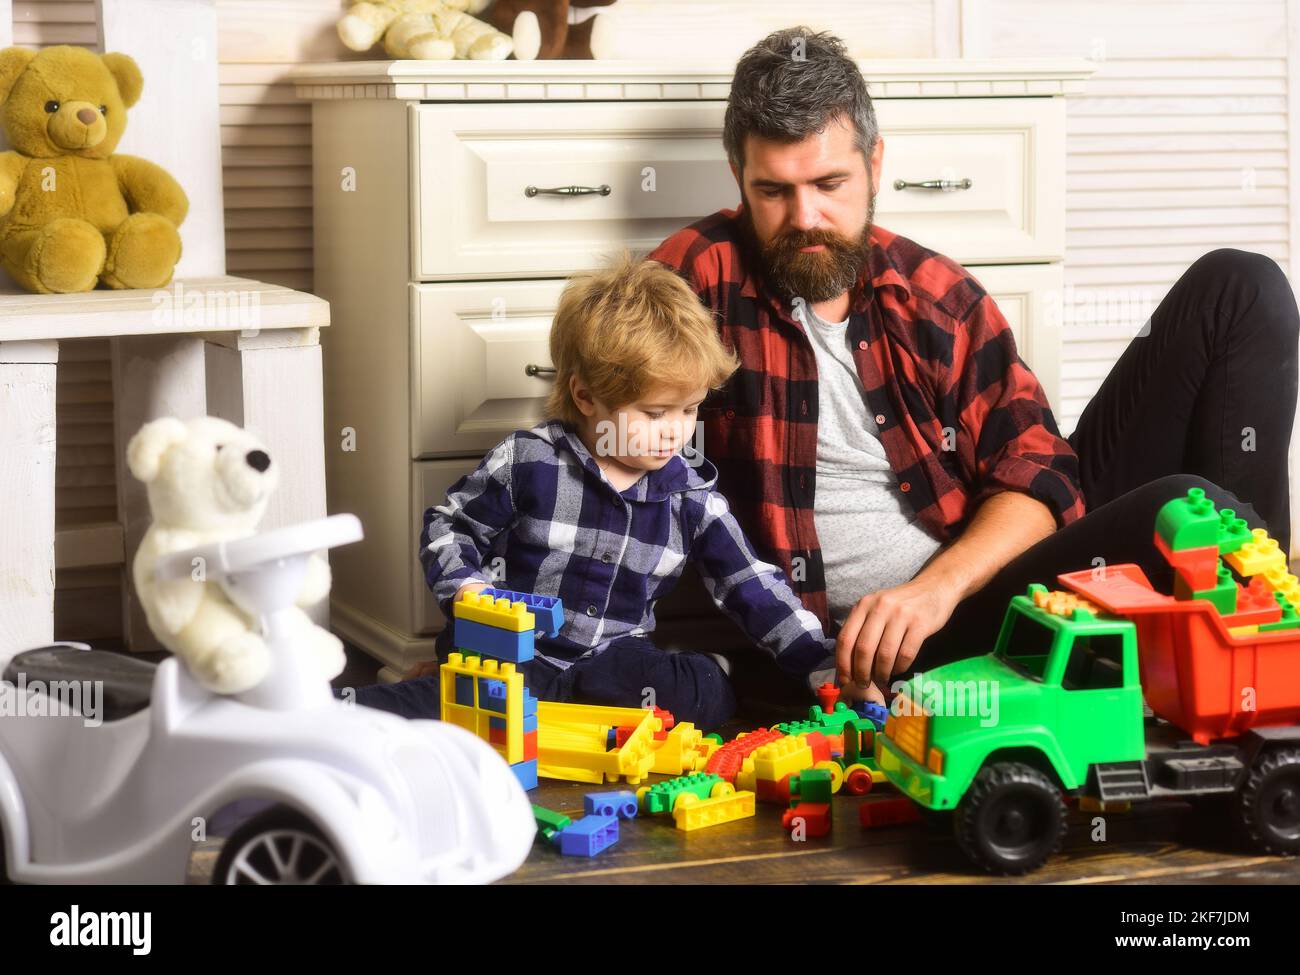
point(663, 163)
point(471, 348)
point(665, 167)
point(1013, 152)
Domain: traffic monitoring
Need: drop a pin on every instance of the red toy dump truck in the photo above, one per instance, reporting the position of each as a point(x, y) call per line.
point(1218, 661)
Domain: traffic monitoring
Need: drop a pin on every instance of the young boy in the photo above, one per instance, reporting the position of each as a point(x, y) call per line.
point(600, 506)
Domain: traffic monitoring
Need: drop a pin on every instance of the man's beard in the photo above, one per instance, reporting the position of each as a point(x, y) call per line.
point(814, 276)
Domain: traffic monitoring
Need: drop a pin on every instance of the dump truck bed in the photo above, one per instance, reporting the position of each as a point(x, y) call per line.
point(1194, 672)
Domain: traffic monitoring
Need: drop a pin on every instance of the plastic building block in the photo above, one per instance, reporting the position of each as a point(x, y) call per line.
point(477, 716)
point(680, 749)
point(499, 613)
point(815, 818)
point(492, 694)
point(1196, 566)
point(765, 790)
point(727, 760)
point(690, 812)
point(465, 690)
point(1289, 619)
point(572, 742)
point(827, 695)
point(549, 822)
point(1223, 595)
point(888, 812)
point(782, 758)
point(1285, 585)
point(1258, 555)
point(811, 785)
point(587, 836)
point(659, 798)
point(877, 714)
point(492, 641)
point(1255, 605)
point(1233, 532)
point(621, 804)
point(1193, 522)
point(526, 773)
point(547, 611)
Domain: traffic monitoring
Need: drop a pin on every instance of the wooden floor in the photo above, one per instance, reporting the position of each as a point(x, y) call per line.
point(1159, 843)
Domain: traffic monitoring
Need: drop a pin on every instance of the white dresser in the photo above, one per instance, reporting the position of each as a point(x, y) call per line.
point(442, 270)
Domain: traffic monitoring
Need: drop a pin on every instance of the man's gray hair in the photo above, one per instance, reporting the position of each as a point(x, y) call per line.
point(790, 85)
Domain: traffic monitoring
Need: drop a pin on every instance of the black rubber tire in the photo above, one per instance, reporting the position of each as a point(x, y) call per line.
point(1268, 805)
point(278, 826)
point(1011, 819)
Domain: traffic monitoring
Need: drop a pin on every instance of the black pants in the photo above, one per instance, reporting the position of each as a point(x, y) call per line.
point(1205, 399)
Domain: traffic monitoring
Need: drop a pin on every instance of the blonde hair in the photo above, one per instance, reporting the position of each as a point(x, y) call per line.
point(628, 328)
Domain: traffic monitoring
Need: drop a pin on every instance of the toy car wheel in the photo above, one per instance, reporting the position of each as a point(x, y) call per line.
point(857, 780)
point(1011, 819)
point(278, 847)
point(1268, 806)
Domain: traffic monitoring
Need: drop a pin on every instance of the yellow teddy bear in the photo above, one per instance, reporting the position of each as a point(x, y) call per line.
point(432, 30)
point(71, 211)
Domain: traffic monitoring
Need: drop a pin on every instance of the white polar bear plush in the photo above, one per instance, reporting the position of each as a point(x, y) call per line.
point(208, 481)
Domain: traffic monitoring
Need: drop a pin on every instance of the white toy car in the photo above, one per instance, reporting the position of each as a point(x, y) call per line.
point(355, 795)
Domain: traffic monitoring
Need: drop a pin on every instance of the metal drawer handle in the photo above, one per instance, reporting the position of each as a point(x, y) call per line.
point(533, 369)
point(946, 185)
point(603, 190)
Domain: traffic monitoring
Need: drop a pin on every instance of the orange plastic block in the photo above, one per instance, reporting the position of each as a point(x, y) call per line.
point(1197, 567)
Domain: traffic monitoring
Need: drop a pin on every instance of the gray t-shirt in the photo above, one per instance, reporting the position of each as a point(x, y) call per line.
point(869, 535)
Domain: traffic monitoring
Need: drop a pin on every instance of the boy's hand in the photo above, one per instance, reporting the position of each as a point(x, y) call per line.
point(851, 692)
point(429, 668)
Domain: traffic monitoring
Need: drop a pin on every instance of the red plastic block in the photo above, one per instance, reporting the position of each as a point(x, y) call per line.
point(667, 719)
point(815, 815)
point(497, 736)
point(530, 745)
point(1198, 566)
point(726, 761)
point(820, 745)
point(827, 695)
point(766, 790)
point(1255, 604)
point(888, 812)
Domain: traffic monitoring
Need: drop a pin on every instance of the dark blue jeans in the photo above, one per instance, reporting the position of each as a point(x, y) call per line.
point(630, 673)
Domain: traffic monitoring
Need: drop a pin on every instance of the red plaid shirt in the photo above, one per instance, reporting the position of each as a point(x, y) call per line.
point(961, 417)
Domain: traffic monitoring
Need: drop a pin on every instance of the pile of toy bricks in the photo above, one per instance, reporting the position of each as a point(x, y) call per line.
point(480, 686)
point(1206, 546)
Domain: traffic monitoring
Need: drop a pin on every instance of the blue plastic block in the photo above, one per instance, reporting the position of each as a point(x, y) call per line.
point(588, 836)
point(875, 713)
point(530, 705)
point(611, 739)
point(499, 723)
point(621, 804)
point(492, 641)
point(465, 690)
point(530, 723)
point(526, 773)
point(492, 695)
point(548, 611)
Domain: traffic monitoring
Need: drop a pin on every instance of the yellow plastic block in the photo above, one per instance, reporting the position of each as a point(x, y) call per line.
point(1285, 583)
point(690, 812)
point(681, 749)
point(1244, 630)
point(476, 717)
point(781, 758)
point(493, 611)
point(572, 738)
point(1258, 556)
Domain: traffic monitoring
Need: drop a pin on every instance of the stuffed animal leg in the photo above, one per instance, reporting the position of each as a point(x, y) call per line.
point(362, 27)
point(444, 35)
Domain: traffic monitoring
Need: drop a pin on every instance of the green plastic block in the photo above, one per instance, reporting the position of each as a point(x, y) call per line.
point(1233, 532)
point(1189, 522)
point(714, 736)
point(1223, 595)
point(659, 798)
point(810, 785)
point(549, 822)
point(1289, 621)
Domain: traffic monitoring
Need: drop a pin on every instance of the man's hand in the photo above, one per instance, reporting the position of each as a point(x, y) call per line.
point(884, 631)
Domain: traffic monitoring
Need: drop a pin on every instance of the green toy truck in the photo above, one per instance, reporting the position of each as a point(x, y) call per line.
point(1056, 710)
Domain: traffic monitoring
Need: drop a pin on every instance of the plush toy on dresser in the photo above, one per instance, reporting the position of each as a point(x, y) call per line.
point(432, 30)
point(72, 212)
point(208, 481)
point(549, 29)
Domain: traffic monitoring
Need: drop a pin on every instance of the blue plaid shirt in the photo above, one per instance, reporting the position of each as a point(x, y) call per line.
point(539, 515)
